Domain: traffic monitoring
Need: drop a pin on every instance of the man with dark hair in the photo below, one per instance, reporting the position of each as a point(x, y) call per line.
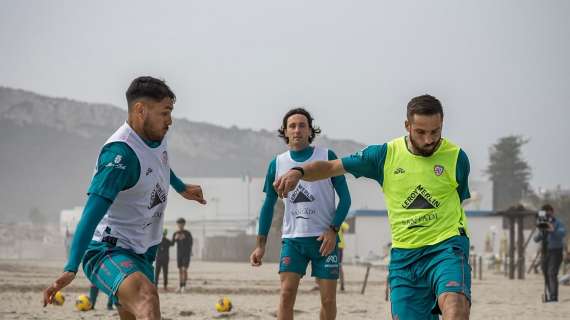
point(310, 222)
point(424, 178)
point(184, 241)
point(162, 259)
point(553, 236)
point(121, 226)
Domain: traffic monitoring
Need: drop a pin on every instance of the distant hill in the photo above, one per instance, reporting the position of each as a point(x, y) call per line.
point(48, 148)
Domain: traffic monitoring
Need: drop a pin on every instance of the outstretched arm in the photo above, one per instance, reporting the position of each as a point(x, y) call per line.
point(94, 211)
point(188, 191)
point(313, 171)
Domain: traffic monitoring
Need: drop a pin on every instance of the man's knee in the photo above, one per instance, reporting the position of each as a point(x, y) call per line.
point(454, 305)
point(139, 295)
point(328, 302)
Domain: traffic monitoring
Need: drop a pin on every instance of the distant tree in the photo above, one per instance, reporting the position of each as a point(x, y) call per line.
point(36, 217)
point(508, 171)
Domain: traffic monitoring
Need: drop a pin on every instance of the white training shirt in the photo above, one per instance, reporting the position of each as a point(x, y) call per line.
point(136, 216)
point(310, 207)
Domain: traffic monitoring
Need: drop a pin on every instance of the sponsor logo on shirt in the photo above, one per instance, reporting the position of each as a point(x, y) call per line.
point(116, 163)
point(157, 196)
point(301, 194)
point(420, 198)
point(399, 171)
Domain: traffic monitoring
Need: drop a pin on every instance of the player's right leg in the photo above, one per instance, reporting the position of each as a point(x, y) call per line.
point(292, 266)
point(139, 297)
point(289, 285)
point(126, 277)
point(328, 298)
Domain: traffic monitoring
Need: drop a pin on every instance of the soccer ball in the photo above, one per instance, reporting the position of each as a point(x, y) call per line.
point(82, 303)
point(58, 299)
point(224, 305)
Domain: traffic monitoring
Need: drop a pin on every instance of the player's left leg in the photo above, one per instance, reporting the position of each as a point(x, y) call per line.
point(125, 315)
point(138, 295)
point(326, 270)
point(454, 306)
point(328, 298)
point(450, 274)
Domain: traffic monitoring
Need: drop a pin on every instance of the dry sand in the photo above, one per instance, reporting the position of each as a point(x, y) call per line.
point(254, 293)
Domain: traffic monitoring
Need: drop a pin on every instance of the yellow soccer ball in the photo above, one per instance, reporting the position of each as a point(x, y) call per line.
point(82, 303)
point(224, 305)
point(58, 299)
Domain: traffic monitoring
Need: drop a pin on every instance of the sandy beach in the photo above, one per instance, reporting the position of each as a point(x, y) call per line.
point(254, 293)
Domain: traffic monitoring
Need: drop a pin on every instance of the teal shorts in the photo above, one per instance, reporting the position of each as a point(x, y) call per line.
point(297, 252)
point(106, 266)
point(417, 277)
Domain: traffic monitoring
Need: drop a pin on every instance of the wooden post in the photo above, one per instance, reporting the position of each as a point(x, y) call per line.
point(480, 268)
point(511, 247)
point(474, 265)
point(520, 247)
point(365, 279)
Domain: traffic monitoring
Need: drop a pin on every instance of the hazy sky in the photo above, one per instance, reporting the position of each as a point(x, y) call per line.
point(499, 67)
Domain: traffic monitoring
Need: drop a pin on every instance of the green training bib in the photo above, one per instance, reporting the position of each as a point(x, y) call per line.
point(421, 195)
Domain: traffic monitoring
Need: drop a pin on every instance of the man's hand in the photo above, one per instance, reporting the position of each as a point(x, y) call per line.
point(61, 282)
point(329, 242)
point(287, 183)
point(550, 227)
point(193, 192)
point(256, 256)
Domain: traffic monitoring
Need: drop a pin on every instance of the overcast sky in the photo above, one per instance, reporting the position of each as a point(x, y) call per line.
point(499, 67)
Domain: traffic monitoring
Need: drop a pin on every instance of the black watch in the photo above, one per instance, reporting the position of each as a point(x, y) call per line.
point(300, 169)
point(334, 228)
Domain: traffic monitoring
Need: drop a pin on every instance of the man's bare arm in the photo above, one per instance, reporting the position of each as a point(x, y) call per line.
point(319, 170)
point(313, 171)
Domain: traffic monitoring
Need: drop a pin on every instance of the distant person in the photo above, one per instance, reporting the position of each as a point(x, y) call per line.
point(424, 178)
point(184, 241)
point(341, 245)
point(121, 226)
point(310, 222)
point(550, 264)
point(162, 259)
point(93, 293)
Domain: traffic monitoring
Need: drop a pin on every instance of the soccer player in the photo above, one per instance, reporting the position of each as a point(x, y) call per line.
point(424, 178)
point(162, 259)
point(184, 241)
point(121, 226)
point(310, 222)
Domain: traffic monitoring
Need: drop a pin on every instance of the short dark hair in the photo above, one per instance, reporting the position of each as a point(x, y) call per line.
point(426, 105)
point(314, 130)
point(181, 221)
point(547, 207)
point(148, 87)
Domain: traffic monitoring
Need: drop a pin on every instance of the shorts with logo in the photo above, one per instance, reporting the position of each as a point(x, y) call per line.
point(296, 253)
point(416, 284)
point(106, 266)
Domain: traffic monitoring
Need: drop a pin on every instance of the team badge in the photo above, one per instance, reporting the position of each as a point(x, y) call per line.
point(438, 170)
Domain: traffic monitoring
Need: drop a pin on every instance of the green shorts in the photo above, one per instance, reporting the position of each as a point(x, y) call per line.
point(297, 252)
point(106, 266)
point(416, 284)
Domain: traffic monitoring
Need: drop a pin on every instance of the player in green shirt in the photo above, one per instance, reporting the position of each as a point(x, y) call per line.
point(424, 179)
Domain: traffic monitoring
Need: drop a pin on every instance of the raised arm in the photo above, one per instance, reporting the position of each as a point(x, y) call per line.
point(313, 171)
